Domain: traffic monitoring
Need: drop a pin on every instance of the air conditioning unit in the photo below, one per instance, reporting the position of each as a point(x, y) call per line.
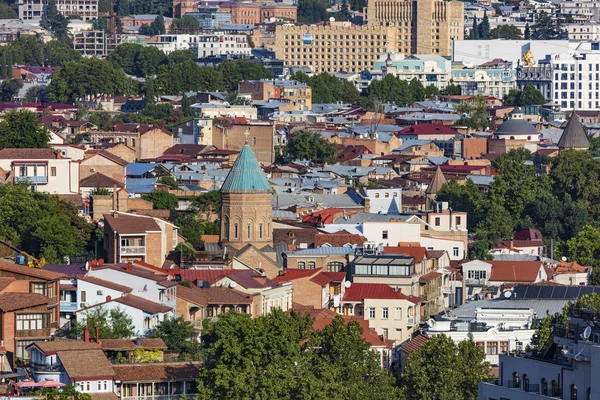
point(92, 169)
point(99, 292)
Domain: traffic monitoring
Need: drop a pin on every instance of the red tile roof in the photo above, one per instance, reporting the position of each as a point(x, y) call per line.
point(515, 271)
point(429, 277)
point(131, 224)
point(326, 216)
point(295, 273)
point(205, 275)
point(143, 304)
point(18, 301)
point(435, 253)
point(29, 154)
point(362, 291)
point(418, 253)
point(106, 284)
point(414, 344)
point(326, 277)
point(157, 372)
point(213, 295)
point(28, 271)
point(569, 267)
point(339, 239)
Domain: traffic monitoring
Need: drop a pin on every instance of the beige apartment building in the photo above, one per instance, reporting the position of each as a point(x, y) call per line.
point(405, 26)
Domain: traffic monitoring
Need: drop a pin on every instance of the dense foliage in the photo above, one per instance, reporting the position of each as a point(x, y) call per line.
point(201, 217)
point(442, 370)
point(528, 96)
point(162, 200)
point(178, 335)
point(308, 145)
point(547, 27)
point(22, 129)
point(510, 32)
point(280, 356)
point(112, 324)
point(329, 89)
point(41, 224)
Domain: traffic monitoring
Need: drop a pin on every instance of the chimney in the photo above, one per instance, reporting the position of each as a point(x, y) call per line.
point(86, 334)
point(98, 335)
point(114, 198)
point(128, 267)
point(262, 279)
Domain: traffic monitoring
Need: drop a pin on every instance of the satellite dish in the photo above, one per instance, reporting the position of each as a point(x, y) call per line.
point(233, 284)
point(430, 322)
point(507, 294)
point(331, 19)
point(586, 333)
point(563, 258)
point(347, 284)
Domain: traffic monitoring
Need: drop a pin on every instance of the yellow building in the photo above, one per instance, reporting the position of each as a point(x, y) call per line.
point(404, 26)
point(336, 46)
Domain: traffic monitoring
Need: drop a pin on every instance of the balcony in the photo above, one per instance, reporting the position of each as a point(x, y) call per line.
point(34, 180)
point(132, 250)
point(413, 320)
point(32, 333)
point(68, 306)
point(475, 282)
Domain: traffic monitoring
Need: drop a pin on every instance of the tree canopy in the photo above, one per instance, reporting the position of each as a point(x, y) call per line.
point(162, 200)
point(547, 27)
point(178, 335)
point(112, 323)
point(528, 96)
point(308, 145)
point(509, 32)
point(22, 129)
point(327, 88)
point(280, 356)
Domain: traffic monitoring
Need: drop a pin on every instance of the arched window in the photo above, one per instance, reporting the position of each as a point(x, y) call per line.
point(335, 266)
point(226, 225)
point(311, 265)
point(301, 265)
point(573, 392)
point(410, 312)
point(516, 381)
point(544, 387)
point(525, 383)
point(588, 394)
point(555, 389)
point(512, 138)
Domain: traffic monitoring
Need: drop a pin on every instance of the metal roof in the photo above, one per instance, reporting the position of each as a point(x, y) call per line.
point(324, 250)
point(540, 307)
point(246, 175)
point(140, 185)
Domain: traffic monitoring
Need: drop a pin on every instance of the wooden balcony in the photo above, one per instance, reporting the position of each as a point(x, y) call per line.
point(33, 333)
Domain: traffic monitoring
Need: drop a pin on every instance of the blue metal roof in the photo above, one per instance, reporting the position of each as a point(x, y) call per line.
point(246, 175)
point(136, 169)
point(140, 185)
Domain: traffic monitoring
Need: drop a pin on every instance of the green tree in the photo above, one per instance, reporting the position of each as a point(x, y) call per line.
point(149, 91)
point(512, 98)
point(474, 30)
point(327, 88)
point(477, 111)
point(547, 28)
point(36, 94)
point(158, 26)
point(464, 198)
point(442, 370)
point(178, 335)
point(543, 333)
point(192, 227)
point(179, 56)
point(169, 181)
point(431, 91)
point(185, 24)
point(174, 78)
point(3, 66)
point(531, 96)
point(186, 105)
point(509, 32)
point(207, 203)
point(311, 11)
point(112, 324)
point(527, 33)
point(452, 90)
point(307, 145)
point(7, 12)
point(22, 129)
point(10, 88)
point(162, 200)
point(585, 247)
point(235, 71)
point(57, 52)
point(484, 27)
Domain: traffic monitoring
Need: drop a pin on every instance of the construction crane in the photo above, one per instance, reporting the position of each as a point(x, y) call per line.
point(23, 258)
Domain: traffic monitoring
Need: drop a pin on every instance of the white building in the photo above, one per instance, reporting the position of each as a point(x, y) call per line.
point(580, 10)
point(209, 110)
point(583, 32)
point(219, 44)
point(476, 52)
point(384, 201)
point(496, 331)
point(576, 80)
point(429, 69)
point(44, 170)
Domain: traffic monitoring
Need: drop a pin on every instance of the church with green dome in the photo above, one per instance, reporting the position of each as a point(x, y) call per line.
point(246, 210)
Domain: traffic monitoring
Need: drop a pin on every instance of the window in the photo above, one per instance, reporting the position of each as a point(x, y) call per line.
point(384, 313)
point(371, 312)
point(88, 386)
point(235, 230)
point(105, 383)
point(99, 385)
point(573, 392)
point(376, 195)
point(384, 234)
point(476, 275)
point(437, 221)
point(52, 171)
point(20, 348)
point(544, 387)
point(491, 348)
point(481, 345)
point(457, 221)
point(455, 251)
point(260, 231)
point(398, 312)
point(301, 265)
point(335, 266)
point(385, 333)
point(311, 265)
point(387, 195)
point(503, 347)
point(248, 230)
point(253, 141)
point(30, 321)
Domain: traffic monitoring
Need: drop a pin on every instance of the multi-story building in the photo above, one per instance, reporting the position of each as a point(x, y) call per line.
point(130, 237)
point(576, 80)
point(210, 17)
point(297, 93)
point(334, 46)
point(494, 82)
point(144, 19)
point(83, 9)
point(221, 44)
point(584, 32)
point(580, 10)
point(429, 69)
point(148, 140)
point(182, 7)
point(421, 27)
point(260, 138)
point(44, 170)
point(256, 13)
point(94, 42)
point(539, 75)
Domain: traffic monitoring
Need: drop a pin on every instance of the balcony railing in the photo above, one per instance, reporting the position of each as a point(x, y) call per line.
point(133, 250)
point(475, 282)
point(44, 332)
point(514, 384)
point(68, 306)
point(531, 387)
point(413, 320)
point(31, 179)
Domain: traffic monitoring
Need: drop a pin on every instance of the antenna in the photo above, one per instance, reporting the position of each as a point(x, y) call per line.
point(347, 284)
point(563, 258)
point(233, 284)
point(586, 333)
point(507, 294)
point(431, 322)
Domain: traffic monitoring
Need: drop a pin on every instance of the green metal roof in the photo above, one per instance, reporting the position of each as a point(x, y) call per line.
point(246, 175)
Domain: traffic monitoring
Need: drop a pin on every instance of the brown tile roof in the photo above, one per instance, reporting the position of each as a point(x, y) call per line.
point(110, 156)
point(86, 364)
point(106, 284)
point(28, 271)
point(429, 277)
point(99, 180)
point(435, 253)
point(131, 344)
point(214, 295)
point(514, 271)
point(49, 348)
point(418, 253)
point(252, 280)
point(103, 396)
point(414, 344)
point(339, 240)
point(29, 154)
point(293, 235)
point(210, 238)
point(5, 282)
point(19, 301)
point(295, 273)
point(129, 224)
point(143, 272)
point(142, 304)
point(326, 277)
point(157, 372)
point(569, 267)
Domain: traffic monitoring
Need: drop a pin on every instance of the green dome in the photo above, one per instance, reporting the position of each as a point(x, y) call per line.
point(246, 175)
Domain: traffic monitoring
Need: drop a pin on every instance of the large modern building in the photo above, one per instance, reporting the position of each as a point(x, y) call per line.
point(83, 9)
point(576, 80)
point(422, 27)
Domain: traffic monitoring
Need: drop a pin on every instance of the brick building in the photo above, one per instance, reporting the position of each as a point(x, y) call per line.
point(231, 135)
